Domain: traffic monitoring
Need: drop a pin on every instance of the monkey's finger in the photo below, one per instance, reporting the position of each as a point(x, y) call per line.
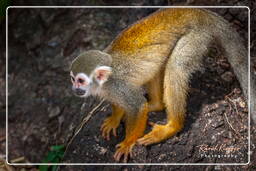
point(147, 141)
point(115, 156)
point(130, 152)
point(114, 132)
point(118, 155)
point(125, 157)
point(118, 145)
point(105, 123)
point(151, 123)
point(105, 133)
point(141, 140)
point(144, 140)
point(108, 136)
point(102, 126)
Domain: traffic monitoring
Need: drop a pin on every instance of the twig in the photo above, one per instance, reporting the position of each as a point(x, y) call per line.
point(5, 167)
point(234, 104)
point(225, 114)
point(19, 159)
point(230, 125)
point(230, 108)
point(87, 118)
point(81, 125)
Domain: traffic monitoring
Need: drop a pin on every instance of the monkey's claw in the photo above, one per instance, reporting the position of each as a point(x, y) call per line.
point(109, 124)
point(124, 149)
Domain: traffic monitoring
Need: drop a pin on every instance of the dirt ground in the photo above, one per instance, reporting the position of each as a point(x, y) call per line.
point(42, 110)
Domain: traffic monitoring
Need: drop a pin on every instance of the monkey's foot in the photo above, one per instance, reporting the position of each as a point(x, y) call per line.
point(158, 133)
point(124, 149)
point(109, 124)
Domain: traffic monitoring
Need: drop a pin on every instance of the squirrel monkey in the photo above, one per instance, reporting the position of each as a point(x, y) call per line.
point(160, 51)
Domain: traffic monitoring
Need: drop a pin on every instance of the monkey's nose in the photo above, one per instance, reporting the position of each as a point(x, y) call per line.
point(79, 91)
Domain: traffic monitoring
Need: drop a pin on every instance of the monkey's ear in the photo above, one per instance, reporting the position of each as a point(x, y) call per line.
point(102, 73)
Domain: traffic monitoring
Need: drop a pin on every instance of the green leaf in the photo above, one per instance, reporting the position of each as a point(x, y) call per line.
point(51, 156)
point(57, 147)
point(3, 5)
point(43, 168)
point(55, 155)
point(54, 168)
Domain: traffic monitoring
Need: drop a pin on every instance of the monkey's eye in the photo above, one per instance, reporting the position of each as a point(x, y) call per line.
point(72, 79)
point(80, 80)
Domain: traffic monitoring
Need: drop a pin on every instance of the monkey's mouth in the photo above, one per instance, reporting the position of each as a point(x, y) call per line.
point(80, 92)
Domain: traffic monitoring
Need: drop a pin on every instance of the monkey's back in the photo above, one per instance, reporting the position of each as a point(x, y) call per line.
point(139, 51)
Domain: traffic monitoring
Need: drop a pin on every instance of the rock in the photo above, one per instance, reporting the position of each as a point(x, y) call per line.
point(53, 112)
point(234, 11)
point(227, 76)
point(139, 154)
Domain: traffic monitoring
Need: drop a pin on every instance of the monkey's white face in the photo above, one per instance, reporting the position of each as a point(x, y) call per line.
point(84, 85)
point(80, 84)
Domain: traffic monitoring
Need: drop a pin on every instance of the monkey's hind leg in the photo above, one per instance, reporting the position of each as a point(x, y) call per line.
point(155, 93)
point(112, 122)
point(175, 101)
point(184, 60)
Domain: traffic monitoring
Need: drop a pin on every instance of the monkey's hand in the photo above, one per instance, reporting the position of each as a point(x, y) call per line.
point(109, 124)
point(112, 122)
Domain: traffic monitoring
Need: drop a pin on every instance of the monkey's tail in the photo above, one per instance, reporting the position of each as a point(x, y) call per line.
point(234, 49)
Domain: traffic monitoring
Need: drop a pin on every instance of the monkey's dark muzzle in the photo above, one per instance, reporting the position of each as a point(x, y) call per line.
point(79, 92)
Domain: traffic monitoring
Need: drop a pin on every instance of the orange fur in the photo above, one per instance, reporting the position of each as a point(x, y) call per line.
point(135, 126)
point(155, 93)
point(151, 29)
point(140, 54)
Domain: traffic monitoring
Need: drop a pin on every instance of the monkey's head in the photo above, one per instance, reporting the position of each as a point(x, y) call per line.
point(89, 71)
